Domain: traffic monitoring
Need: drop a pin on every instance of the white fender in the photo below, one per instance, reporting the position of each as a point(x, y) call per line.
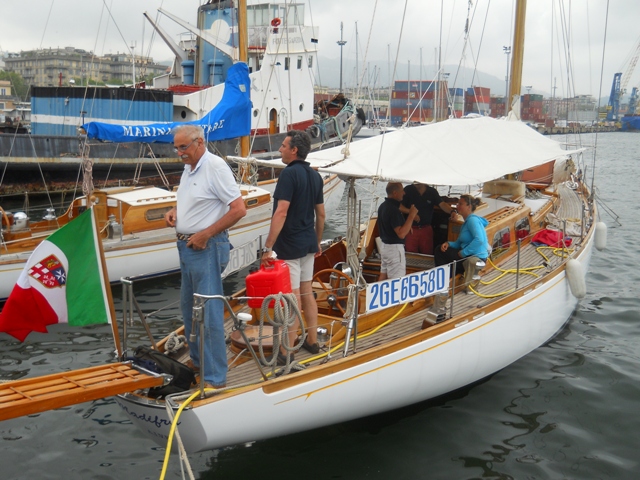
point(575, 276)
point(601, 236)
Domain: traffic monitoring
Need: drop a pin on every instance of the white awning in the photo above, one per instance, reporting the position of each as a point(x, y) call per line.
point(465, 151)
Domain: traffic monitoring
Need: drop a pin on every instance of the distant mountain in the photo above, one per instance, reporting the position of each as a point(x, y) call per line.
point(329, 75)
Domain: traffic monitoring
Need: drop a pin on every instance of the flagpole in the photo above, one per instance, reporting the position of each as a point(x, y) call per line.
point(105, 279)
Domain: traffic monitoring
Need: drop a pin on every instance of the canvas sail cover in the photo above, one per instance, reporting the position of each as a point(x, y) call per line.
point(231, 118)
point(463, 151)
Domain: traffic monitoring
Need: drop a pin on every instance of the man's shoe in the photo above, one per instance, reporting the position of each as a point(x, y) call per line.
point(311, 348)
point(209, 385)
point(189, 363)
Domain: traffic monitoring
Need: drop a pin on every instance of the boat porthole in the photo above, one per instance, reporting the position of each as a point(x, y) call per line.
point(183, 114)
point(301, 106)
point(255, 113)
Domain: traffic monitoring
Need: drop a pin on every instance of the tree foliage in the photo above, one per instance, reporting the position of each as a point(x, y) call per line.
point(20, 89)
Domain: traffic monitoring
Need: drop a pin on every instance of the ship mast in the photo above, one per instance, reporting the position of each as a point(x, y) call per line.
point(518, 53)
point(243, 53)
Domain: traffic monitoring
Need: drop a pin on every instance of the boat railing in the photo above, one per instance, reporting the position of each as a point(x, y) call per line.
point(130, 306)
point(239, 319)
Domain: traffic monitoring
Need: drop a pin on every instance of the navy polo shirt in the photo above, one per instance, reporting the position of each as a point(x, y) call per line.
point(424, 203)
point(301, 186)
point(390, 217)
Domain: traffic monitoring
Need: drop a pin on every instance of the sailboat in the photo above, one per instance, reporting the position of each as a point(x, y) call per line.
point(391, 343)
point(387, 344)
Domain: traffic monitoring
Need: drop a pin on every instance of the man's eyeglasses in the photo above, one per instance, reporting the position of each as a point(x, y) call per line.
point(182, 148)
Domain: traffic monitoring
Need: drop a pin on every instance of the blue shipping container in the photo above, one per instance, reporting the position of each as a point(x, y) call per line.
point(61, 110)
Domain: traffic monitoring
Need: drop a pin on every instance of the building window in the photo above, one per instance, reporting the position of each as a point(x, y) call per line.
point(286, 63)
point(299, 66)
point(310, 61)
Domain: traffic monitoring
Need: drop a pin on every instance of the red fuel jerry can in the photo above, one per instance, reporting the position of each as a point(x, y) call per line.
point(267, 281)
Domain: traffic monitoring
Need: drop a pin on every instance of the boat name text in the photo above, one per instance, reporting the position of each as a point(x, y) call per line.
point(397, 291)
point(131, 131)
point(155, 420)
point(279, 41)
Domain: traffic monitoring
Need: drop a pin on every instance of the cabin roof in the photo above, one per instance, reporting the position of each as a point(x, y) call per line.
point(144, 196)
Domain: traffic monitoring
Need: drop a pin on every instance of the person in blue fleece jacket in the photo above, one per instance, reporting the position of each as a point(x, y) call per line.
point(472, 240)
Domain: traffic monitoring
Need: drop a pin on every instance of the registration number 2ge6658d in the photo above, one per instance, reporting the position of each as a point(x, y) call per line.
point(411, 287)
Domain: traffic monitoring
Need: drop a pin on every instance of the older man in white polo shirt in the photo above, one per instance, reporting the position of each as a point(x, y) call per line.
point(209, 202)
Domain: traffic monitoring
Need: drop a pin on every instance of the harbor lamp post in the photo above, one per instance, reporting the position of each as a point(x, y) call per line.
point(342, 43)
point(507, 50)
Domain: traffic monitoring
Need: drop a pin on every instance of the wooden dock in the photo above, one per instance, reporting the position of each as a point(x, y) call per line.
point(39, 394)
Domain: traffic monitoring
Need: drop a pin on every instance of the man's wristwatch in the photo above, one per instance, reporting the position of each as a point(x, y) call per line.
point(266, 250)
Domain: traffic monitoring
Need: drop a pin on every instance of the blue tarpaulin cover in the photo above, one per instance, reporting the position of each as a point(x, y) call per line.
point(231, 118)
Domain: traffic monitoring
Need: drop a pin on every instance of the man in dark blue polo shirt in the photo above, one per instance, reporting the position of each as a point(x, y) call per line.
point(393, 228)
point(296, 227)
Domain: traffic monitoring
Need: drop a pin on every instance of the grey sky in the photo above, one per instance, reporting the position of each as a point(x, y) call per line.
point(88, 25)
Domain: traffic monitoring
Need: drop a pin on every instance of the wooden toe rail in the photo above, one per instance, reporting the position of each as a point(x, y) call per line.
point(39, 394)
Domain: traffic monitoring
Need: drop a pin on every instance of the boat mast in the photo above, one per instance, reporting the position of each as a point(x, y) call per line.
point(518, 53)
point(243, 54)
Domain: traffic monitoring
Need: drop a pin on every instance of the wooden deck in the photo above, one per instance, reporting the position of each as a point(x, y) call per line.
point(497, 282)
point(493, 285)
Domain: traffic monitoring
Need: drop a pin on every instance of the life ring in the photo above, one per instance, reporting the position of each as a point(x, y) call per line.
point(276, 22)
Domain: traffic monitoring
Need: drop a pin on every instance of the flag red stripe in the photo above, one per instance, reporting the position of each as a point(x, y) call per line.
point(26, 311)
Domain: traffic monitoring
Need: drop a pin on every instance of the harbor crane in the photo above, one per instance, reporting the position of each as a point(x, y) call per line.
point(619, 86)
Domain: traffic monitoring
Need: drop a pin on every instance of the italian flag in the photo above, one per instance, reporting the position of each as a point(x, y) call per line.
point(62, 282)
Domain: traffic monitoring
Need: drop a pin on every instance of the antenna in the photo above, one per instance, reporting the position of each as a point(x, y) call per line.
point(133, 63)
point(342, 43)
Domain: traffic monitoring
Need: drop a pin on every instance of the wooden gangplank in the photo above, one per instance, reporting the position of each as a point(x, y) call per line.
point(39, 394)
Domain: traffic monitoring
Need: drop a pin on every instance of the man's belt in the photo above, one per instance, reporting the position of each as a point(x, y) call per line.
point(182, 236)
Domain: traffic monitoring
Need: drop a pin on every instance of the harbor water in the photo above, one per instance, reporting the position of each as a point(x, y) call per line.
point(567, 410)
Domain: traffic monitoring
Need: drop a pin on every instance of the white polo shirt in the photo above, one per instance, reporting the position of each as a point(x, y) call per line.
point(204, 194)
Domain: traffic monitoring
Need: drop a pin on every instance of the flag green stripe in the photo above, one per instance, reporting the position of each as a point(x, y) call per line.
point(85, 293)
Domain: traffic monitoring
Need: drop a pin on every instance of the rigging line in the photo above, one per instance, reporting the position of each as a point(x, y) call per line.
point(438, 85)
point(477, 59)
point(570, 74)
point(287, 6)
point(395, 66)
point(317, 60)
point(604, 47)
point(46, 24)
point(589, 44)
point(466, 43)
point(560, 45)
point(553, 93)
point(366, 51)
point(116, 25)
point(95, 45)
point(277, 78)
point(395, 63)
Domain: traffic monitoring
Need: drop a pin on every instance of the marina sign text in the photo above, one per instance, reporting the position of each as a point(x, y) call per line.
point(397, 291)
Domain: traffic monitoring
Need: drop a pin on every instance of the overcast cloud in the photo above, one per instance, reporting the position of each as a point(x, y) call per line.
point(110, 26)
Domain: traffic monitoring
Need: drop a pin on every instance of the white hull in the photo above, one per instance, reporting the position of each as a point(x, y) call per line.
point(351, 389)
point(154, 253)
point(147, 254)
